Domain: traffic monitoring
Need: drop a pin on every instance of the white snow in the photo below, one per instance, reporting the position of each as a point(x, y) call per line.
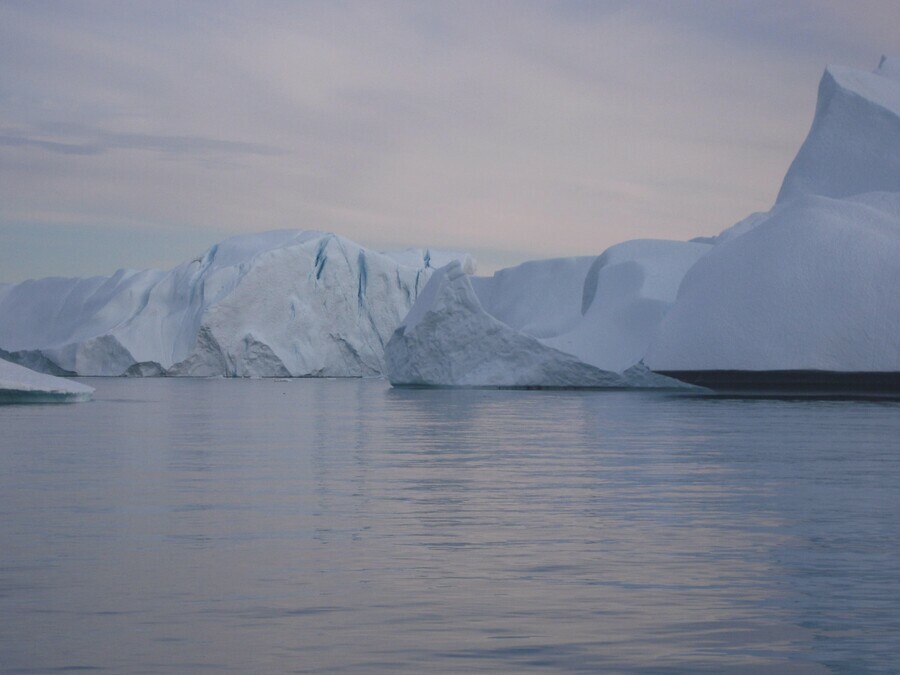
point(810, 285)
point(22, 385)
point(281, 303)
point(854, 143)
point(814, 287)
point(449, 339)
point(813, 284)
point(563, 322)
point(627, 292)
point(541, 298)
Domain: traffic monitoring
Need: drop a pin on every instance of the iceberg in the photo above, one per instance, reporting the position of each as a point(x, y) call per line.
point(450, 339)
point(804, 295)
point(809, 288)
point(22, 385)
point(275, 304)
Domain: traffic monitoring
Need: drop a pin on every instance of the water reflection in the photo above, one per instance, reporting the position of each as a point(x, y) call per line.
point(306, 525)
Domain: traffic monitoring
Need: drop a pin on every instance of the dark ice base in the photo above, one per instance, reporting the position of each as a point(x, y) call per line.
point(801, 382)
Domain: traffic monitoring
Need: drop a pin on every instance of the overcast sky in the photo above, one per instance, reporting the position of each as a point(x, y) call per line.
point(136, 134)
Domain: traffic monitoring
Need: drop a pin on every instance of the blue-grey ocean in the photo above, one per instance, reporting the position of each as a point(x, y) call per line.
point(266, 526)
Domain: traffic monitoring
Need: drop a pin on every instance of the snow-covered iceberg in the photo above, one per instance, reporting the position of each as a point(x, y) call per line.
point(22, 385)
point(814, 284)
point(810, 286)
point(450, 338)
point(281, 303)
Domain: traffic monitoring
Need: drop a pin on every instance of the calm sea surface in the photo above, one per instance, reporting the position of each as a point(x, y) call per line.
point(298, 526)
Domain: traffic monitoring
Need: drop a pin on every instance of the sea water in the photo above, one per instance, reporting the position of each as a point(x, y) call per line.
point(305, 525)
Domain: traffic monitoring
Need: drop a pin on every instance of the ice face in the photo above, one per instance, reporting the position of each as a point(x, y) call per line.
point(853, 146)
point(814, 287)
point(449, 339)
point(627, 292)
point(810, 285)
point(271, 304)
point(565, 322)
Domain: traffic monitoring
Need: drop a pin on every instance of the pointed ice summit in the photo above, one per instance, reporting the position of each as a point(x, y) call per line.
point(812, 286)
point(282, 303)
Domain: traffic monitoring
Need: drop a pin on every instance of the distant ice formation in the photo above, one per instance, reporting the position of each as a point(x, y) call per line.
point(22, 385)
point(812, 285)
point(282, 303)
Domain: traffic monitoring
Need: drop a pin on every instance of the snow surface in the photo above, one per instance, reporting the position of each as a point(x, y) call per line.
point(889, 67)
point(281, 303)
point(22, 385)
point(812, 284)
point(854, 143)
point(627, 292)
point(541, 298)
point(449, 339)
point(814, 287)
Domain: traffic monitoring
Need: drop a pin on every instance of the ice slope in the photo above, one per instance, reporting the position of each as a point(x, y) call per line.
point(813, 284)
point(22, 385)
point(627, 291)
point(277, 303)
point(810, 285)
point(853, 144)
point(449, 339)
point(541, 298)
point(814, 287)
point(603, 309)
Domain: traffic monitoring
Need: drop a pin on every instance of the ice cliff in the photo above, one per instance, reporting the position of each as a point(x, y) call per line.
point(811, 285)
point(282, 303)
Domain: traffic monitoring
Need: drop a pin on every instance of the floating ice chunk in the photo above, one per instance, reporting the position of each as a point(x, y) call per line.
point(22, 385)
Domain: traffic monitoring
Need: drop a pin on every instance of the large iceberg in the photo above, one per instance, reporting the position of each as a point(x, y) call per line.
point(810, 286)
point(281, 303)
point(22, 385)
point(813, 284)
point(532, 325)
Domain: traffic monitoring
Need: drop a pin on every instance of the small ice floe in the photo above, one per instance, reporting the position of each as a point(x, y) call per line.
point(22, 385)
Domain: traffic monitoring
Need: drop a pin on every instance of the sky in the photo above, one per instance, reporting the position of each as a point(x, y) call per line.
point(137, 134)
